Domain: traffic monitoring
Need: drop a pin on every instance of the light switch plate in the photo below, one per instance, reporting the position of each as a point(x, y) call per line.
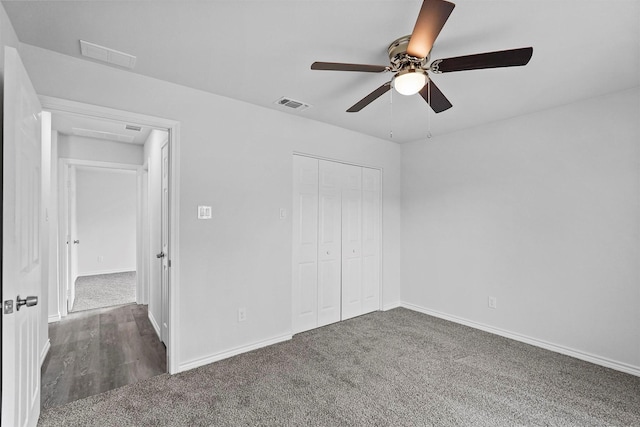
point(204, 212)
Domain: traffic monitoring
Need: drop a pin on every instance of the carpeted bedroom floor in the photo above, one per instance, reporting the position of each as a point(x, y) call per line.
point(394, 368)
point(104, 290)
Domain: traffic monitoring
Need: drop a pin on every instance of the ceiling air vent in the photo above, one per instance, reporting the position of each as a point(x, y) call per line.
point(292, 104)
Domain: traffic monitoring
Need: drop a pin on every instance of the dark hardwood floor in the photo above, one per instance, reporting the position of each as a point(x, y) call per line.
point(98, 350)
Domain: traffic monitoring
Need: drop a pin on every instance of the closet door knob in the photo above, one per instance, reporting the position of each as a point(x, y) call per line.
point(328, 253)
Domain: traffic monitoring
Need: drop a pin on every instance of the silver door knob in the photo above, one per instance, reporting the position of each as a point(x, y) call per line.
point(28, 301)
point(160, 255)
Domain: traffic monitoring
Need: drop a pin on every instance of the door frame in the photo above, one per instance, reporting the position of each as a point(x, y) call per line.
point(64, 214)
point(58, 105)
point(380, 213)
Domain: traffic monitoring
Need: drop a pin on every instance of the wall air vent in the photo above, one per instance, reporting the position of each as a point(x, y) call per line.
point(292, 104)
point(133, 127)
point(104, 54)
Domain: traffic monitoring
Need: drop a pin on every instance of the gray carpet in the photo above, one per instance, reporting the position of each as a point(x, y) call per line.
point(104, 290)
point(394, 368)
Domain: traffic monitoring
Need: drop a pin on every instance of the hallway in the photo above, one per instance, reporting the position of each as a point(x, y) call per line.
point(104, 290)
point(98, 350)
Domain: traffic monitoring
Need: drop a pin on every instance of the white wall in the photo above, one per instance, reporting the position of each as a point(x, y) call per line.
point(106, 202)
point(237, 158)
point(53, 306)
point(78, 147)
point(153, 160)
point(541, 211)
point(8, 37)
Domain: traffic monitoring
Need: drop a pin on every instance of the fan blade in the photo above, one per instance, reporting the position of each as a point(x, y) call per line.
point(370, 98)
point(338, 66)
point(431, 19)
point(439, 102)
point(502, 58)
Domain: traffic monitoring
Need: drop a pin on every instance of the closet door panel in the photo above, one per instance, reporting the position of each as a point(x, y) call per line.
point(329, 242)
point(371, 226)
point(305, 243)
point(351, 242)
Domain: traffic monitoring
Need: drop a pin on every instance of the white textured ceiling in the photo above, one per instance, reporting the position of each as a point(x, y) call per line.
point(258, 51)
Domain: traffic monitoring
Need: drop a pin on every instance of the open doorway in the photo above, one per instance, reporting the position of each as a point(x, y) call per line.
point(101, 235)
point(106, 327)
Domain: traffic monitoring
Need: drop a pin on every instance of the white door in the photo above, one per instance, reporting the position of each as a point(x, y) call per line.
point(329, 242)
point(305, 243)
point(370, 240)
point(351, 242)
point(21, 256)
point(164, 240)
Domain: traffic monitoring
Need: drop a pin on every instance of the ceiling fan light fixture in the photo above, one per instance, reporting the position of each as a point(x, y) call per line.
point(409, 82)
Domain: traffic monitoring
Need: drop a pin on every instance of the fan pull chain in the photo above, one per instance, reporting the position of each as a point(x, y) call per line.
point(429, 111)
point(391, 119)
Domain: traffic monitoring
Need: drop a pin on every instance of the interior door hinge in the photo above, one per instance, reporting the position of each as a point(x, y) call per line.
point(169, 263)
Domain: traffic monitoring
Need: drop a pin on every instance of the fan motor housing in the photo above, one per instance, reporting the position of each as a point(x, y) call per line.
point(399, 58)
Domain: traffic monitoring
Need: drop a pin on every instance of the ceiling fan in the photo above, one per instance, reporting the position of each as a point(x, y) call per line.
point(409, 56)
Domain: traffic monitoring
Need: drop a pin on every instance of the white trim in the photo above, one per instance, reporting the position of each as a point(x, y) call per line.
point(173, 126)
point(99, 164)
point(154, 323)
point(82, 109)
point(334, 160)
point(588, 357)
point(45, 351)
point(174, 245)
point(111, 271)
point(233, 352)
point(54, 318)
point(391, 306)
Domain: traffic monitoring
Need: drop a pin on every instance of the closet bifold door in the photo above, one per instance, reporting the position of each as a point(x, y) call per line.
point(371, 239)
point(351, 241)
point(305, 243)
point(329, 242)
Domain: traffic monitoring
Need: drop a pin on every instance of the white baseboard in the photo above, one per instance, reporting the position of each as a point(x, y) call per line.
point(111, 271)
point(391, 305)
point(155, 325)
point(230, 353)
point(54, 318)
point(45, 351)
point(588, 357)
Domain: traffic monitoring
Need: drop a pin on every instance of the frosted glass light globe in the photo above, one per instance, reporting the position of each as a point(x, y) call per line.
point(409, 82)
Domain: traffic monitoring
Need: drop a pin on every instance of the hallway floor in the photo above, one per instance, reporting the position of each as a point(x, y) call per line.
point(98, 350)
